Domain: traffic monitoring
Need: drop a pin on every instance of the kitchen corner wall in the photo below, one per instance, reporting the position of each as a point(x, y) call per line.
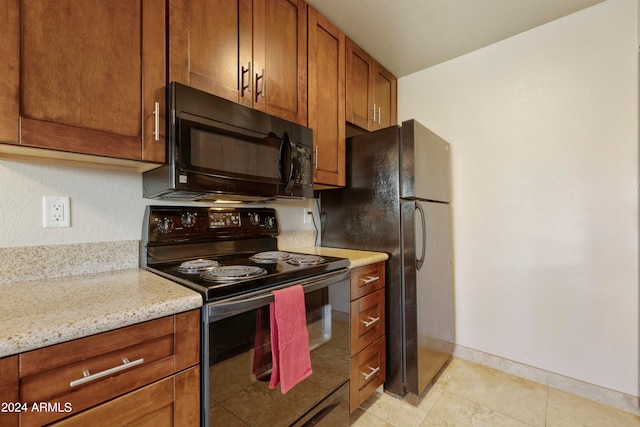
point(544, 136)
point(105, 205)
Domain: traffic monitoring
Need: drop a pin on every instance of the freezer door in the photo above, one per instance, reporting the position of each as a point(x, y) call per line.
point(425, 164)
point(428, 290)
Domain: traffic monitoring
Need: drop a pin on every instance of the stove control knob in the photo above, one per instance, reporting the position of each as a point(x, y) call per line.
point(188, 219)
point(254, 218)
point(270, 222)
point(165, 225)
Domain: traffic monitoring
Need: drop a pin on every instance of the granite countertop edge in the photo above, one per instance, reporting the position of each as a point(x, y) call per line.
point(357, 258)
point(85, 305)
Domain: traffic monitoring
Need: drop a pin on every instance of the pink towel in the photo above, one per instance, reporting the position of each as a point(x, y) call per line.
point(289, 339)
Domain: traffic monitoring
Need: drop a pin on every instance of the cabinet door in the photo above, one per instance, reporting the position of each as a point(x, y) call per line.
point(91, 74)
point(280, 58)
point(210, 46)
point(385, 98)
point(327, 99)
point(9, 393)
point(9, 70)
point(359, 83)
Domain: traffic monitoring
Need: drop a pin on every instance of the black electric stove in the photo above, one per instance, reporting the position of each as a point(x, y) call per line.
point(224, 252)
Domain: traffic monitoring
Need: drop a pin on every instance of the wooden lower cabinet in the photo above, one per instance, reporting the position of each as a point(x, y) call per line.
point(9, 395)
point(368, 354)
point(145, 374)
point(173, 401)
point(367, 373)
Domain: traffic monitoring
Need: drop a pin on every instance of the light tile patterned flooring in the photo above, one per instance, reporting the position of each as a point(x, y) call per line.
point(468, 394)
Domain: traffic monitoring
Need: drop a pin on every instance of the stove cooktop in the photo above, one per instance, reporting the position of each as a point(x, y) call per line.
point(214, 286)
point(200, 247)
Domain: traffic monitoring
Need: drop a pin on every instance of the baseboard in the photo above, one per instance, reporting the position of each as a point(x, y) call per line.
point(593, 392)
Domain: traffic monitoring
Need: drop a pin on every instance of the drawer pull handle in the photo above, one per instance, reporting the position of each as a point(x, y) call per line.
point(370, 279)
point(88, 377)
point(374, 371)
point(372, 321)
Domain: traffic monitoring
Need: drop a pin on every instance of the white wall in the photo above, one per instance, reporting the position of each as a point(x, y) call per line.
point(544, 134)
point(105, 205)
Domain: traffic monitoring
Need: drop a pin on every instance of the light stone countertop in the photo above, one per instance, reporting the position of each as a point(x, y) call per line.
point(40, 313)
point(356, 258)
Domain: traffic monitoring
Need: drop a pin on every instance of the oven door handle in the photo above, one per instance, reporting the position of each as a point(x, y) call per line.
point(227, 308)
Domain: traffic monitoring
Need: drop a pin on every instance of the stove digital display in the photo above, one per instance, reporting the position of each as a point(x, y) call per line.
point(224, 219)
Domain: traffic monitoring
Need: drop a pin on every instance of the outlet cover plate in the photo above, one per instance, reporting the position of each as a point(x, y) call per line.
point(56, 212)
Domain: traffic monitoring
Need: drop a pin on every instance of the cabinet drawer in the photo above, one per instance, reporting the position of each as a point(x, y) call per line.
point(368, 370)
point(79, 374)
point(367, 279)
point(367, 320)
point(173, 401)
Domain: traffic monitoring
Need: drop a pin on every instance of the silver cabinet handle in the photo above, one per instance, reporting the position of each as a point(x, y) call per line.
point(373, 372)
point(249, 85)
point(156, 126)
point(370, 279)
point(372, 321)
point(316, 157)
point(263, 88)
point(88, 377)
point(379, 115)
point(374, 113)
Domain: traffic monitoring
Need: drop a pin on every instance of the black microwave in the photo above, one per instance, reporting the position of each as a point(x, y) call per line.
point(220, 150)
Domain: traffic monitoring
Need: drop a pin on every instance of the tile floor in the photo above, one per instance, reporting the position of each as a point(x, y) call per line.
point(468, 394)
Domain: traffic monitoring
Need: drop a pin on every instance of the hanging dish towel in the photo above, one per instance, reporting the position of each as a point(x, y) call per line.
point(289, 339)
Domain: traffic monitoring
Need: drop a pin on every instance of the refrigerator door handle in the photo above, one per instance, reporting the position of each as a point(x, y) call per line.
point(420, 260)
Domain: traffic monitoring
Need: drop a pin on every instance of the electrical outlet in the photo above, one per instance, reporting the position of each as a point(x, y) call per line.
point(56, 212)
point(307, 216)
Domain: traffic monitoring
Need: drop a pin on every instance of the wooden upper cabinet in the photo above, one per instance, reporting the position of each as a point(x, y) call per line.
point(9, 71)
point(92, 77)
point(371, 91)
point(385, 87)
point(327, 99)
point(250, 52)
point(359, 83)
point(280, 58)
point(210, 46)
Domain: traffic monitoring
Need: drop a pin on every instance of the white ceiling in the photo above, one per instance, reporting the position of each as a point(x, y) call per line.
point(406, 36)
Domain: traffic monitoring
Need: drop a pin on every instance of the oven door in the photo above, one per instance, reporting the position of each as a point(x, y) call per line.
point(236, 360)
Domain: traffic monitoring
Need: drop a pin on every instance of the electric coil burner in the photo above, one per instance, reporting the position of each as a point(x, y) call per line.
point(231, 257)
point(232, 273)
point(306, 260)
point(197, 266)
point(271, 256)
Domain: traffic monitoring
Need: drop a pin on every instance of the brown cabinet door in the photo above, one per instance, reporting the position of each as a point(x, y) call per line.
point(359, 86)
point(9, 70)
point(385, 98)
point(280, 58)
point(327, 99)
point(371, 91)
point(210, 46)
point(9, 393)
point(91, 74)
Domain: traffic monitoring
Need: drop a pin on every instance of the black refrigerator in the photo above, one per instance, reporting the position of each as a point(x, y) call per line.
point(397, 200)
